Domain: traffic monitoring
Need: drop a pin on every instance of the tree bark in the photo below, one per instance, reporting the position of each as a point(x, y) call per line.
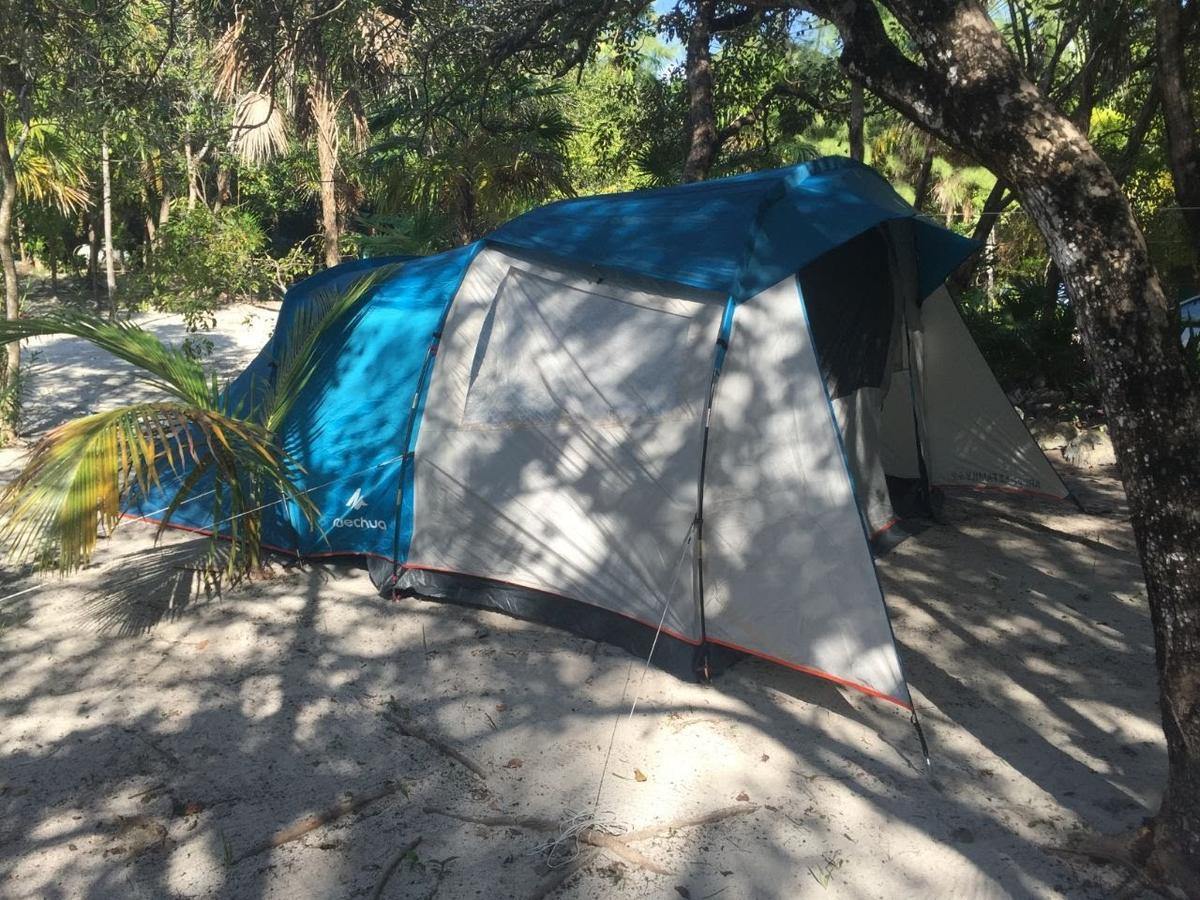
point(94, 262)
point(8, 202)
point(998, 200)
point(924, 185)
point(969, 90)
point(191, 164)
point(110, 272)
point(858, 114)
point(324, 111)
point(1137, 136)
point(164, 207)
point(1183, 146)
point(464, 212)
point(702, 120)
point(224, 186)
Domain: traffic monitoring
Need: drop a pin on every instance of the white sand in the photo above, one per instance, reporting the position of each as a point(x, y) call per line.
point(149, 732)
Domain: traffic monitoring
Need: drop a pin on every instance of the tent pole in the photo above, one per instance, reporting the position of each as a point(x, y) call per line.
point(407, 451)
point(702, 664)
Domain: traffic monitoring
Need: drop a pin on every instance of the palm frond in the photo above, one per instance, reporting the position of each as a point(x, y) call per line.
point(80, 475)
point(157, 364)
point(51, 170)
point(259, 132)
point(296, 359)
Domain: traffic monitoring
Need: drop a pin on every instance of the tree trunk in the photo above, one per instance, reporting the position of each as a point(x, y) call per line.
point(224, 181)
point(1183, 147)
point(998, 200)
point(1050, 283)
point(1137, 136)
point(110, 272)
point(8, 202)
point(858, 148)
point(464, 215)
point(94, 262)
point(164, 208)
point(191, 164)
point(924, 185)
point(702, 121)
point(325, 118)
point(969, 90)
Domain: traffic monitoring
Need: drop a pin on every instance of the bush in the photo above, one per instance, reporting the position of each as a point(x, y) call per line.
point(204, 260)
point(1030, 343)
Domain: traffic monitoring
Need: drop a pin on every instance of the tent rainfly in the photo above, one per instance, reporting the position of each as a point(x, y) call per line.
point(682, 414)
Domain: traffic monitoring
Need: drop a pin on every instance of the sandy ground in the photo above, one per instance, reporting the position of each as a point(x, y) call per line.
point(153, 735)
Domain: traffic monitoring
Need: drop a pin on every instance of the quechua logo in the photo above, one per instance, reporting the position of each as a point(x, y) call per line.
point(354, 504)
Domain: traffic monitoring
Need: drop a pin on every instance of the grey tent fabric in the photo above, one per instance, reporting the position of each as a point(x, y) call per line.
point(791, 576)
point(560, 446)
point(975, 437)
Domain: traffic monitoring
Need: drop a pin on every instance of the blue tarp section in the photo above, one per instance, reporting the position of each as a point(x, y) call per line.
point(735, 235)
point(348, 430)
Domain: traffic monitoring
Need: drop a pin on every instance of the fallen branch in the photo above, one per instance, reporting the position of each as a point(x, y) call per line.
point(413, 731)
point(618, 846)
point(312, 823)
point(391, 867)
point(717, 815)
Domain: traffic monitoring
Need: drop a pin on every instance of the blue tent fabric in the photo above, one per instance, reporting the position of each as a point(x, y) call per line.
point(347, 427)
point(1189, 313)
point(736, 235)
point(350, 430)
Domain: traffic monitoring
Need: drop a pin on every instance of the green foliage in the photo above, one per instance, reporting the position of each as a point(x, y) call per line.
point(205, 260)
point(1029, 338)
point(80, 477)
point(494, 158)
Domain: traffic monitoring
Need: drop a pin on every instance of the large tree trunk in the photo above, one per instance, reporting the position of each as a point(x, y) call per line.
point(8, 202)
point(969, 90)
point(1183, 146)
point(703, 142)
point(324, 110)
point(110, 272)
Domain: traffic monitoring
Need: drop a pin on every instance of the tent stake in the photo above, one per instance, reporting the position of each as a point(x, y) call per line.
point(924, 745)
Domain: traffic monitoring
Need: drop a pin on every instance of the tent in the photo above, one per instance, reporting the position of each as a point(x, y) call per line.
point(1189, 313)
point(674, 417)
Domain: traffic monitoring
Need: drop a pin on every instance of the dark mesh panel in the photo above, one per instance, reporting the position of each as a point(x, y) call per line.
point(849, 299)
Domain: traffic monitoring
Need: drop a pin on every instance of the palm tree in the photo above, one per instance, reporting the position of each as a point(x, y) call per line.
point(308, 66)
point(477, 166)
point(37, 166)
point(82, 475)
